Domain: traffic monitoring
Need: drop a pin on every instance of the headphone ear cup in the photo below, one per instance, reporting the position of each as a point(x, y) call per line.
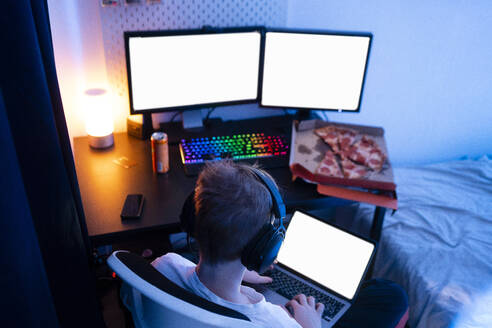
point(187, 216)
point(262, 250)
point(250, 254)
point(270, 252)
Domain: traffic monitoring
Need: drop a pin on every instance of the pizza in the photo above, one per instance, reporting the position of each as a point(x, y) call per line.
point(352, 170)
point(351, 156)
point(367, 152)
point(329, 166)
point(337, 138)
point(346, 138)
point(330, 136)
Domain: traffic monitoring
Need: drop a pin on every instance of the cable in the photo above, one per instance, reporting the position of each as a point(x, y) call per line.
point(208, 115)
point(174, 116)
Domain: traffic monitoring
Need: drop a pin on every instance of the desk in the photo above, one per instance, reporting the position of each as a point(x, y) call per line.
point(104, 186)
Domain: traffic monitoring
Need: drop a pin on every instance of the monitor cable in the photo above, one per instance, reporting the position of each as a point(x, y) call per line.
point(210, 111)
point(174, 116)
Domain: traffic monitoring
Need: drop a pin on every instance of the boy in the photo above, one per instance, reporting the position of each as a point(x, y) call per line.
point(231, 205)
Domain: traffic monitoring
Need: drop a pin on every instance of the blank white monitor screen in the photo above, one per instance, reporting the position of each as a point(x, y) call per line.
point(319, 71)
point(194, 69)
point(325, 254)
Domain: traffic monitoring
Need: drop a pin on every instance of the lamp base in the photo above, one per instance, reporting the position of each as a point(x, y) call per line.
point(101, 142)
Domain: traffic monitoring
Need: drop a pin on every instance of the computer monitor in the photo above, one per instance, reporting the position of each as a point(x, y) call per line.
point(314, 70)
point(191, 69)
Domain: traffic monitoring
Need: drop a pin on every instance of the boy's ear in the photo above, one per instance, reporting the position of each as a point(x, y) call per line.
point(187, 216)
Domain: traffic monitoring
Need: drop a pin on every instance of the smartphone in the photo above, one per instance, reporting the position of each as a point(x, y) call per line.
point(132, 209)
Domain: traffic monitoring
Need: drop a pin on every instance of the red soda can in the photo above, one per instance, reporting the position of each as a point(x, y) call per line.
point(160, 152)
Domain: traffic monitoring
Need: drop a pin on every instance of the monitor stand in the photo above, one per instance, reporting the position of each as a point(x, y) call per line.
point(191, 127)
point(175, 130)
point(192, 120)
point(304, 114)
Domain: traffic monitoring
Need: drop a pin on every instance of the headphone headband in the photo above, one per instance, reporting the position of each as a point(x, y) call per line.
point(278, 205)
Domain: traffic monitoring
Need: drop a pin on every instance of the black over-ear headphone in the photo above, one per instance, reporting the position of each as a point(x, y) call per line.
point(262, 249)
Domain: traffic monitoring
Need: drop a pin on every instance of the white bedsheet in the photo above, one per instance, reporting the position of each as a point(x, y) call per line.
point(438, 245)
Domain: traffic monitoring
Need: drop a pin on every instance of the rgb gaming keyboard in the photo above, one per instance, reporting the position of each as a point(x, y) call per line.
point(268, 150)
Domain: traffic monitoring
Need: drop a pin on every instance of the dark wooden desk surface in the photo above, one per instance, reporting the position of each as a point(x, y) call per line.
point(104, 186)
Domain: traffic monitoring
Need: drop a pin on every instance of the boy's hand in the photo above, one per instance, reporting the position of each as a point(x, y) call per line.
point(254, 277)
point(305, 311)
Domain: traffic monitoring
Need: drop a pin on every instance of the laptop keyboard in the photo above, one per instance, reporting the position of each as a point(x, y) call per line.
point(289, 287)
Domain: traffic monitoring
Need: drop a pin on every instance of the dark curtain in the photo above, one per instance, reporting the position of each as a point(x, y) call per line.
point(26, 300)
point(41, 206)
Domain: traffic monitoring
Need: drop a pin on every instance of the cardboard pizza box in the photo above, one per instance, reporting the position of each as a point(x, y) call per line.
point(308, 150)
point(386, 199)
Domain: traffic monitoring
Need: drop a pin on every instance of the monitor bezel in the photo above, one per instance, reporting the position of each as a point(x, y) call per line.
point(357, 235)
point(132, 34)
point(320, 32)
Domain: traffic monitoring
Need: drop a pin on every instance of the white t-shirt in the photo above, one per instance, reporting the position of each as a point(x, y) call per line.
point(182, 272)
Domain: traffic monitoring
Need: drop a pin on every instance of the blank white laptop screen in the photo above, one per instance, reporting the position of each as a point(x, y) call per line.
point(327, 255)
point(314, 70)
point(185, 70)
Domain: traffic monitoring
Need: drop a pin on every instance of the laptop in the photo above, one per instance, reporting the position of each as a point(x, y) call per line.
point(321, 260)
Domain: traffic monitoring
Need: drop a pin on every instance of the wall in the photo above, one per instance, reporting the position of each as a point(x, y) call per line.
point(79, 55)
point(429, 81)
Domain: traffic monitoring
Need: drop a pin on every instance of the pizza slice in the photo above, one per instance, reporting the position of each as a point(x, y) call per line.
point(329, 166)
point(367, 152)
point(346, 138)
point(352, 170)
point(336, 137)
point(330, 136)
point(376, 156)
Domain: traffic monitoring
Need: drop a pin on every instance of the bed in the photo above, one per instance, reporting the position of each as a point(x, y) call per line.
point(438, 245)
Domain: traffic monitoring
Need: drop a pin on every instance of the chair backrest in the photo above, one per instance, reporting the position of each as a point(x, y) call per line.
point(156, 301)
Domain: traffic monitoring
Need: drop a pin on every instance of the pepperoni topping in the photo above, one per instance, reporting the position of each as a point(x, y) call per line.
point(354, 159)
